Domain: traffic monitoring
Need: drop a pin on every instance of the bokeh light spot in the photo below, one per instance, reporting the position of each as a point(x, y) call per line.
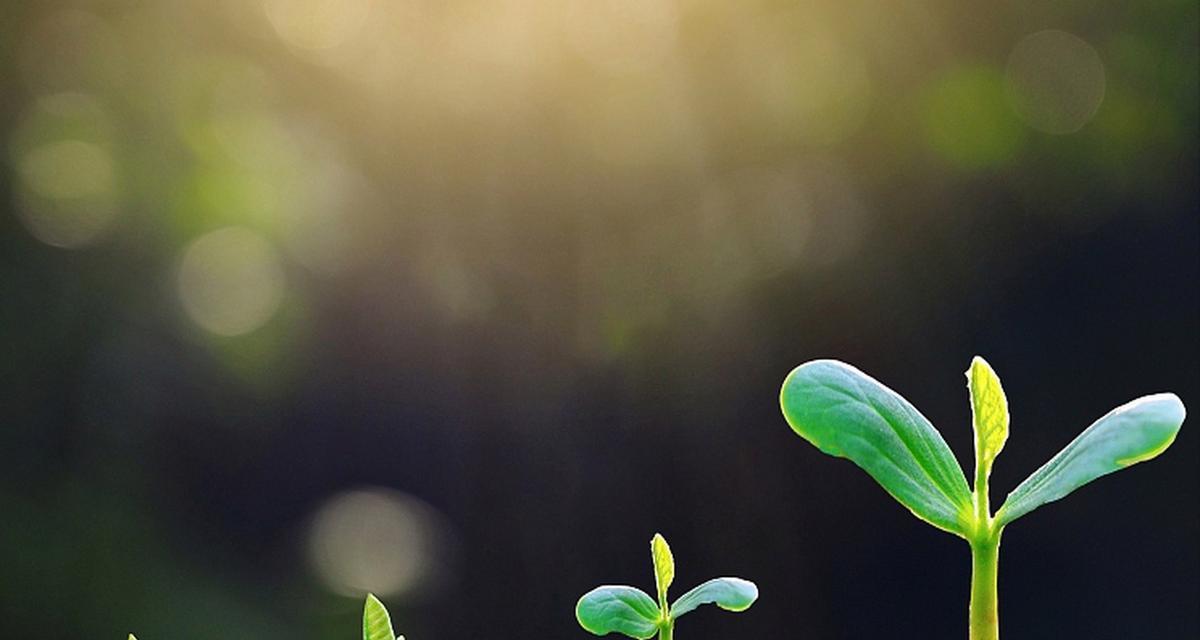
point(375, 540)
point(69, 192)
point(68, 169)
point(967, 121)
point(231, 281)
point(1055, 81)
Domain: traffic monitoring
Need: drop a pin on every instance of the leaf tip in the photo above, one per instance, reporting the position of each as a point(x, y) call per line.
point(1176, 404)
point(979, 365)
point(1173, 413)
point(751, 595)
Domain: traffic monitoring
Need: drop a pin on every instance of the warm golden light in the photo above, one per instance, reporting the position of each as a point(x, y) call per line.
point(621, 36)
point(317, 25)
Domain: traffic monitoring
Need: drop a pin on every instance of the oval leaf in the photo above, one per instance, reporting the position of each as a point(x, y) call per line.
point(377, 624)
point(731, 594)
point(664, 565)
point(989, 413)
point(846, 413)
point(1131, 433)
point(619, 609)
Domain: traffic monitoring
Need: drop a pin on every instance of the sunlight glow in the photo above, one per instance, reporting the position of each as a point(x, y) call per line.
point(621, 36)
point(317, 25)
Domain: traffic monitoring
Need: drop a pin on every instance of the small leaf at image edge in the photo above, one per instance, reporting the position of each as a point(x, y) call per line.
point(377, 623)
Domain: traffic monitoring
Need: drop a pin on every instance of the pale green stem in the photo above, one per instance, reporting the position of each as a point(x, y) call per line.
point(985, 611)
point(985, 557)
point(667, 627)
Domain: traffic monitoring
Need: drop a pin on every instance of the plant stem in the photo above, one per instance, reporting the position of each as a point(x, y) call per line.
point(985, 557)
point(667, 631)
point(985, 612)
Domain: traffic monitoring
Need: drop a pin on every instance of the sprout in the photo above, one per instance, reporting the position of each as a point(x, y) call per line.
point(377, 623)
point(629, 611)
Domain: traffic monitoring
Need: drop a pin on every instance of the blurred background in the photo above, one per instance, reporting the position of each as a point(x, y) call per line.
point(461, 301)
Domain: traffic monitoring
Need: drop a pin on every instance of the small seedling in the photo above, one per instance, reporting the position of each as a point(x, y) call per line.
point(377, 624)
point(629, 611)
point(848, 414)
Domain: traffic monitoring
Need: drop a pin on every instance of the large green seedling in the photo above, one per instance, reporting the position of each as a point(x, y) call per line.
point(846, 413)
point(629, 611)
point(377, 623)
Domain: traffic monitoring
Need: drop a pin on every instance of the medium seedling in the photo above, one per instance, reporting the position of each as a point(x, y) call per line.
point(629, 611)
point(846, 413)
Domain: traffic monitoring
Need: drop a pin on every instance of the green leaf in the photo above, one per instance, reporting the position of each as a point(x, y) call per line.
point(377, 624)
point(131, 637)
point(731, 594)
point(846, 413)
point(619, 609)
point(664, 566)
point(989, 412)
point(1131, 433)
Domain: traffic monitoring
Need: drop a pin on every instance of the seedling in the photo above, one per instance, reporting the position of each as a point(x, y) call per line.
point(377, 624)
point(629, 611)
point(848, 414)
